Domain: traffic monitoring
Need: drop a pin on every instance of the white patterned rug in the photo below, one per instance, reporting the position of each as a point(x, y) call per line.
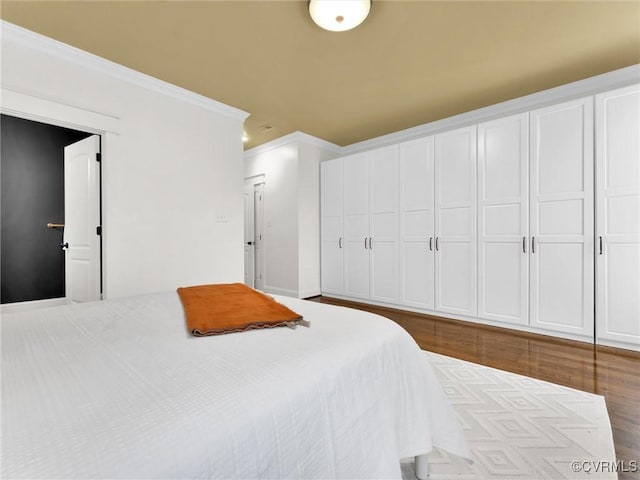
point(521, 428)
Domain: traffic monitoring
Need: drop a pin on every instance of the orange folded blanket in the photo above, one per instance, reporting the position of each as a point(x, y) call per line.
point(234, 307)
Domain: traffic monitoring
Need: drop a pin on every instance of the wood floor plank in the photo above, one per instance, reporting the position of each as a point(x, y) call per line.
point(611, 372)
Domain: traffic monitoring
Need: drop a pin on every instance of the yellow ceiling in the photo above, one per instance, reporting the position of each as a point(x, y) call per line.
point(410, 63)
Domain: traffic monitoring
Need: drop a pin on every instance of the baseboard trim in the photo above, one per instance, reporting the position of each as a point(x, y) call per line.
point(32, 305)
point(472, 320)
point(280, 291)
point(618, 344)
point(312, 292)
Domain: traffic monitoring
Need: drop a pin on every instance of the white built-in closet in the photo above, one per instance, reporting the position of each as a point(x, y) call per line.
point(618, 216)
point(518, 221)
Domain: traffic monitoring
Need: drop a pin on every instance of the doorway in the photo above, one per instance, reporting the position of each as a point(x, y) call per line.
point(34, 211)
point(254, 234)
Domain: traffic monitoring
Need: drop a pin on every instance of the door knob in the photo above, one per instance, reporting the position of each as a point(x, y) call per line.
point(249, 243)
point(64, 246)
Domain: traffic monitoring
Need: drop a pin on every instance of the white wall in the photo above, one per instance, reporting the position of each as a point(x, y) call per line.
point(291, 166)
point(309, 158)
point(171, 169)
point(280, 169)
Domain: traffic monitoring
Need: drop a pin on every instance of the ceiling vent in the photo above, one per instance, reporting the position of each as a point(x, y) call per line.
point(265, 128)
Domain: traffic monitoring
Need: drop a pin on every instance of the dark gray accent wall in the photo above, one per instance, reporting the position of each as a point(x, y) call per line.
point(32, 186)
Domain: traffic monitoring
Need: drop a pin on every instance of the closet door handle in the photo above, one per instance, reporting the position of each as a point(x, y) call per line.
point(370, 244)
point(431, 243)
point(533, 244)
point(524, 244)
point(340, 242)
point(600, 245)
point(365, 243)
point(437, 244)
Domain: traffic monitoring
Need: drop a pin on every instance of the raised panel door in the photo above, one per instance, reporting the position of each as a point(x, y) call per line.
point(331, 205)
point(356, 225)
point(561, 218)
point(455, 222)
point(618, 216)
point(82, 216)
point(503, 273)
point(383, 236)
point(417, 223)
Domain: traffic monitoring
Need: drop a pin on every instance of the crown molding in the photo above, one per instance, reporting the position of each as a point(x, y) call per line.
point(35, 41)
point(317, 142)
point(581, 88)
point(292, 138)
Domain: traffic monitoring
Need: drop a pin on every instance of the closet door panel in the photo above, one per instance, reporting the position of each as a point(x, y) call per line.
point(503, 274)
point(417, 223)
point(621, 301)
point(356, 185)
point(383, 243)
point(455, 221)
point(356, 270)
point(618, 216)
point(501, 297)
point(384, 272)
point(356, 256)
point(560, 278)
point(384, 227)
point(454, 151)
point(331, 234)
point(331, 254)
point(503, 220)
point(383, 165)
point(561, 217)
point(356, 226)
point(453, 288)
point(331, 188)
point(417, 275)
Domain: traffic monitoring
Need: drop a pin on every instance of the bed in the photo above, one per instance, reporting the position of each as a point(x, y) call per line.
point(120, 389)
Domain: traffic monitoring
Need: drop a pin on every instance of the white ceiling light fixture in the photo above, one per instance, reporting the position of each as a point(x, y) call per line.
point(339, 15)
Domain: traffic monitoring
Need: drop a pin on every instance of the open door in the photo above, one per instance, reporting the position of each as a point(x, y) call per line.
point(259, 234)
point(249, 236)
point(82, 220)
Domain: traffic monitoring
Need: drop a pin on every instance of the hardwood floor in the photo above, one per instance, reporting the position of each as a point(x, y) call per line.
point(611, 372)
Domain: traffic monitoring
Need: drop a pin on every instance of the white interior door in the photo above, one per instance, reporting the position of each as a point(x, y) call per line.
point(618, 216)
point(417, 222)
point(503, 218)
point(259, 235)
point(383, 222)
point(331, 187)
point(455, 221)
point(82, 218)
point(561, 217)
point(356, 226)
point(249, 233)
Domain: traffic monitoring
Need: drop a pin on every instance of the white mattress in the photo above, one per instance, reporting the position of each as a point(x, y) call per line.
point(119, 389)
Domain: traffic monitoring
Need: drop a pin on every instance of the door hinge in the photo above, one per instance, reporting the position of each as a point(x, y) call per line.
point(99, 230)
point(98, 157)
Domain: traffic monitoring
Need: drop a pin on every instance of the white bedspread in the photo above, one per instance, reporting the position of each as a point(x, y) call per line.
point(119, 389)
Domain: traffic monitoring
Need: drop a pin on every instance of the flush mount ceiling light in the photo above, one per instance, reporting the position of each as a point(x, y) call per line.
point(339, 15)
